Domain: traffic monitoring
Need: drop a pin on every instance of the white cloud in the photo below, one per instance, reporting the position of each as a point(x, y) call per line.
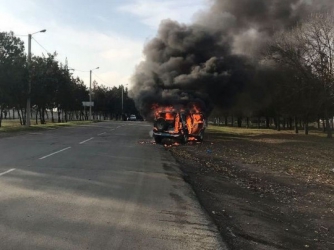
point(151, 12)
point(116, 55)
point(114, 78)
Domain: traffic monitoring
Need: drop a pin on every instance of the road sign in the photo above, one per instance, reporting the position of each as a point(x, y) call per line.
point(88, 104)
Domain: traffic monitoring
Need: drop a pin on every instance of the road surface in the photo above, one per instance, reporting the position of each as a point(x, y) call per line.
point(97, 186)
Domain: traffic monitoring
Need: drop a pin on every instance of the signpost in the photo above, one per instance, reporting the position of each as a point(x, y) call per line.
point(88, 104)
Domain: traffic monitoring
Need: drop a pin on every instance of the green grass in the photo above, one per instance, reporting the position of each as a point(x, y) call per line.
point(257, 132)
point(11, 126)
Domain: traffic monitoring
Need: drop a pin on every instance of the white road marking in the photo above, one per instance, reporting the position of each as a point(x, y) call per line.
point(102, 133)
point(86, 140)
point(8, 171)
point(54, 153)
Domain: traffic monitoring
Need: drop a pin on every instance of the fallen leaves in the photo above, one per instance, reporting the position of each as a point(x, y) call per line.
point(294, 173)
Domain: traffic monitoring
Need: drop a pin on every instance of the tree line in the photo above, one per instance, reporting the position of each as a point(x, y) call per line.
point(56, 94)
point(293, 83)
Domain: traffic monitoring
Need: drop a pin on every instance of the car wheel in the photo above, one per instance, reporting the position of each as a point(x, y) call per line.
point(184, 139)
point(200, 137)
point(158, 139)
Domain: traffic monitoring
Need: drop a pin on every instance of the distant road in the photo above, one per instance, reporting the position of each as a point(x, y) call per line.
point(98, 186)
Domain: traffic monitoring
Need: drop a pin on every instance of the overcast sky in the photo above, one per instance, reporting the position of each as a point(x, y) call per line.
point(105, 33)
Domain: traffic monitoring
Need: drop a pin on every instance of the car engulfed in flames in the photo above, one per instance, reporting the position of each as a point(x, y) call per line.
point(179, 124)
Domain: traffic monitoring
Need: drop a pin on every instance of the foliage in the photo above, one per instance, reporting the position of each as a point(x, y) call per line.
point(53, 87)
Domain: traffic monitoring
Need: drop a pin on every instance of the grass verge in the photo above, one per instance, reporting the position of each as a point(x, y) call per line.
point(14, 126)
point(264, 189)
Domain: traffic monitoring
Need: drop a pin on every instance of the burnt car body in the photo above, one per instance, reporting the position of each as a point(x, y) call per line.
point(180, 125)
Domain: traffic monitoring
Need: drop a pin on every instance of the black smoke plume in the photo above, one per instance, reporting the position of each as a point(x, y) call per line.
point(211, 60)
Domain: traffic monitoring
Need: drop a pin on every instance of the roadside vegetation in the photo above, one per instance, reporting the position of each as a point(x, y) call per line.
point(56, 95)
point(293, 83)
point(14, 126)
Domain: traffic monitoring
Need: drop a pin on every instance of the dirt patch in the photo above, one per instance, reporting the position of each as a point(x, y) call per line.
point(263, 189)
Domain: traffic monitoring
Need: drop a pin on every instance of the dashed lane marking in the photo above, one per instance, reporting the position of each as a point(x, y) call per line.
point(86, 140)
point(8, 171)
point(54, 153)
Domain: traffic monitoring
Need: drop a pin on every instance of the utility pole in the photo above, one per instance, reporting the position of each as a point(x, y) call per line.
point(90, 93)
point(122, 100)
point(29, 83)
point(28, 112)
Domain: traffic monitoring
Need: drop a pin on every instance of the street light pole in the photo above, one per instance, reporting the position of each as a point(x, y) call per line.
point(29, 83)
point(28, 112)
point(122, 99)
point(90, 93)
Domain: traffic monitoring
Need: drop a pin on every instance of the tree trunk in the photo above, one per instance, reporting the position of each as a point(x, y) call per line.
point(232, 122)
point(18, 113)
point(52, 118)
point(58, 111)
point(36, 116)
point(306, 126)
point(296, 125)
point(278, 123)
point(23, 115)
point(267, 122)
point(247, 122)
point(226, 120)
point(328, 127)
point(239, 122)
point(42, 114)
point(1, 110)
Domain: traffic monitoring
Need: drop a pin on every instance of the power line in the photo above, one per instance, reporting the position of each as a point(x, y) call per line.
point(101, 79)
point(41, 45)
point(78, 69)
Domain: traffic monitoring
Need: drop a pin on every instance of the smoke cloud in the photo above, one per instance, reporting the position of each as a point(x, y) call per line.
point(211, 60)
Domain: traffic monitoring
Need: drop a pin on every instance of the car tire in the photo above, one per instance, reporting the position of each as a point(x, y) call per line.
point(184, 139)
point(200, 137)
point(157, 139)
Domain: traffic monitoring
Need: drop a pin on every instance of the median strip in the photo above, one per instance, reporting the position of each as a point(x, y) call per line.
point(8, 171)
point(54, 153)
point(86, 140)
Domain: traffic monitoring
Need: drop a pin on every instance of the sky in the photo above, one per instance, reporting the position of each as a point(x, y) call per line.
point(109, 34)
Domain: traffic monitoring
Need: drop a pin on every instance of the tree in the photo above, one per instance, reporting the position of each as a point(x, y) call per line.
point(308, 50)
point(13, 74)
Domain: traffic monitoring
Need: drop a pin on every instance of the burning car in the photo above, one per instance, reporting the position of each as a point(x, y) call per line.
point(180, 124)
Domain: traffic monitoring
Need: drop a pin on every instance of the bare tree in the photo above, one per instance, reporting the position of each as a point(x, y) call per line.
point(308, 50)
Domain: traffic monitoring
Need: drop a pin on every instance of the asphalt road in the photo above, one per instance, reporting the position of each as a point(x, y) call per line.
point(98, 186)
